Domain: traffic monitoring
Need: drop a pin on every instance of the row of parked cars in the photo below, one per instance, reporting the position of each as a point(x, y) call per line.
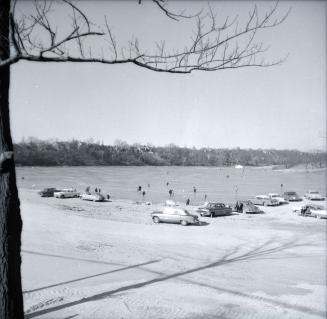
point(70, 193)
point(173, 214)
point(274, 199)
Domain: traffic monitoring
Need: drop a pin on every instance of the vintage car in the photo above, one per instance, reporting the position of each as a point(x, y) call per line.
point(313, 195)
point(171, 203)
point(278, 197)
point(66, 193)
point(247, 207)
point(95, 197)
point(292, 196)
point(174, 215)
point(214, 209)
point(48, 192)
point(265, 200)
point(317, 211)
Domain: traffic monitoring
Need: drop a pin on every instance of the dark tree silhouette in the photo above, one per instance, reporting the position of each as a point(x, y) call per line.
point(37, 37)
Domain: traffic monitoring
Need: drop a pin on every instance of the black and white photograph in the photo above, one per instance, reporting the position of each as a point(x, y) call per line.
point(163, 159)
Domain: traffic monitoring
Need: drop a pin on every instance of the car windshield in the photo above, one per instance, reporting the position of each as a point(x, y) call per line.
point(314, 192)
point(290, 193)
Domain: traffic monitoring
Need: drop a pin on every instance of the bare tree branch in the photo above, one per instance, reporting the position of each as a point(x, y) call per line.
point(212, 47)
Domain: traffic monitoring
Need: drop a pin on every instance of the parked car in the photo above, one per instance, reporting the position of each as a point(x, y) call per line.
point(247, 207)
point(317, 211)
point(313, 195)
point(174, 215)
point(278, 197)
point(297, 209)
point(264, 200)
point(92, 197)
point(66, 193)
point(214, 209)
point(170, 203)
point(48, 192)
point(292, 196)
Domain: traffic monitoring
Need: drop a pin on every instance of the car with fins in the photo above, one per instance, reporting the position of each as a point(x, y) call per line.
point(174, 215)
point(67, 193)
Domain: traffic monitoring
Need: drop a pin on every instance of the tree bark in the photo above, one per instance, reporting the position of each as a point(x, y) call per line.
point(11, 299)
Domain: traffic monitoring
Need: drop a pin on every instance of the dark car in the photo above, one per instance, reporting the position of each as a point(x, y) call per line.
point(292, 197)
point(247, 207)
point(175, 216)
point(48, 192)
point(214, 209)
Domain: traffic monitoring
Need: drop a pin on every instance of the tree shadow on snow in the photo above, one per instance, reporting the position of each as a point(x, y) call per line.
point(92, 276)
point(261, 251)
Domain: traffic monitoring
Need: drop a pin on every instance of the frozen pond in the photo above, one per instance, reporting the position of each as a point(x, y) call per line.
point(221, 184)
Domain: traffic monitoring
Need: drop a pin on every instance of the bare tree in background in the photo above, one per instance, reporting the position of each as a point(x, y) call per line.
point(37, 37)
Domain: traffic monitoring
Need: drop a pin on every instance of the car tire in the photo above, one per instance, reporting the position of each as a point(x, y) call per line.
point(156, 220)
point(184, 222)
point(62, 196)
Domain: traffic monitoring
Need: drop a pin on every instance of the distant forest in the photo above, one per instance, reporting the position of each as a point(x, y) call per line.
point(34, 152)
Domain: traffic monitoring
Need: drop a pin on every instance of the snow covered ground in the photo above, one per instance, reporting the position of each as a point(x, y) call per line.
point(107, 260)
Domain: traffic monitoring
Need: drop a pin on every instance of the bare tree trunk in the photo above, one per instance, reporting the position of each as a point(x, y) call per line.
point(11, 300)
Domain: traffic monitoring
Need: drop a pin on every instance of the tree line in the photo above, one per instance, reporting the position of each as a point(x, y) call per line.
point(34, 152)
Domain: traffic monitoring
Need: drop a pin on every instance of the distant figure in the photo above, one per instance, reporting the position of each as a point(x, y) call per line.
point(139, 188)
point(167, 183)
point(87, 190)
point(108, 196)
point(205, 197)
point(96, 190)
point(143, 193)
point(194, 189)
point(23, 177)
point(149, 185)
point(99, 190)
point(170, 193)
point(241, 208)
point(188, 201)
point(304, 210)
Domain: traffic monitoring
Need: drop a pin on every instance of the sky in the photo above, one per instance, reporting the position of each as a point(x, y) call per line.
point(282, 107)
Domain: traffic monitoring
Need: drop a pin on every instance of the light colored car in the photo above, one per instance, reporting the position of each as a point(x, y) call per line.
point(214, 209)
point(170, 203)
point(281, 200)
point(174, 215)
point(66, 193)
point(264, 200)
point(313, 195)
point(92, 197)
point(247, 207)
point(297, 209)
point(317, 211)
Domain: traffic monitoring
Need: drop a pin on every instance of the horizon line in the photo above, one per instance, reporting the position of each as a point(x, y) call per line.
point(171, 144)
